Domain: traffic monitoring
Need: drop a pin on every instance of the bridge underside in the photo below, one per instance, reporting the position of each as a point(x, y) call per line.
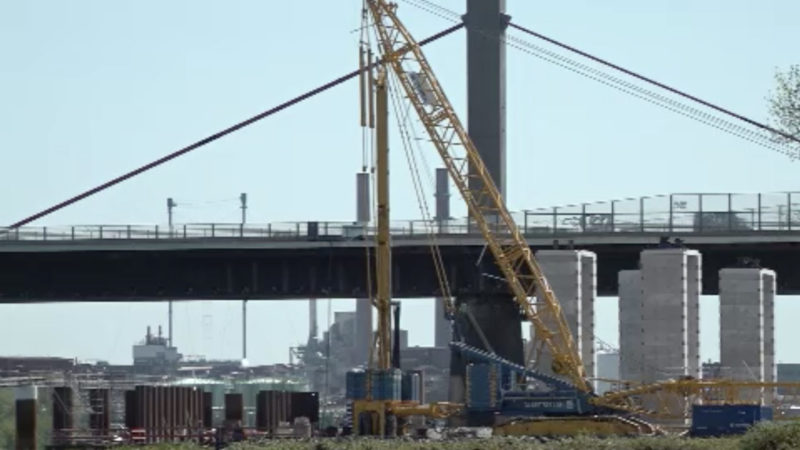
point(323, 271)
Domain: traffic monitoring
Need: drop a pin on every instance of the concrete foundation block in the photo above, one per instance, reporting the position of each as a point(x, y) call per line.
point(572, 276)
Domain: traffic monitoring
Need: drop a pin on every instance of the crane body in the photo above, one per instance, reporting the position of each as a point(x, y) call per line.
point(566, 394)
point(505, 242)
point(516, 399)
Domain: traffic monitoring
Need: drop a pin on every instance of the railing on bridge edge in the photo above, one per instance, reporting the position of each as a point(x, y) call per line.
point(661, 214)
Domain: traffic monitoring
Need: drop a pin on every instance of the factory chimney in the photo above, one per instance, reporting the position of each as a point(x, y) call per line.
point(312, 320)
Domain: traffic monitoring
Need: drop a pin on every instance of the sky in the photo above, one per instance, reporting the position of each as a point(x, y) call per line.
point(92, 89)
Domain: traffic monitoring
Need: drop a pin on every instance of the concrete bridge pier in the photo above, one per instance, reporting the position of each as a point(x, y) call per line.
point(495, 316)
point(498, 322)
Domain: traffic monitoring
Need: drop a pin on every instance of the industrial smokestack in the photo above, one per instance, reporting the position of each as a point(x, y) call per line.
point(396, 336)
point(312, 319)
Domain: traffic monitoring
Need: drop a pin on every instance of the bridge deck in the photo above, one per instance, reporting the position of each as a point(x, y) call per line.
point(328, 259)
point(236, 268)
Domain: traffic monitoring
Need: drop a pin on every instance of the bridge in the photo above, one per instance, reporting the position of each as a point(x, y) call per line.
point(328, 259)
point(325, 259)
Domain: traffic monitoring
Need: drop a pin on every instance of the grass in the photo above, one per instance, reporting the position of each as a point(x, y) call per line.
point(765, 436)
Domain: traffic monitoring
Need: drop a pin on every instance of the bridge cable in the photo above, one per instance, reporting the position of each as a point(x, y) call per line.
point(629, 88)
point(215, 136)
point(648, 80)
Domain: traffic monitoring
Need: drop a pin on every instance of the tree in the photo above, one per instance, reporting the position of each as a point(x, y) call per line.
point(784, 105)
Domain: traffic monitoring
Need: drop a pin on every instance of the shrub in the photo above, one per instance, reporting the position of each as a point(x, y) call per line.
point(772, 436)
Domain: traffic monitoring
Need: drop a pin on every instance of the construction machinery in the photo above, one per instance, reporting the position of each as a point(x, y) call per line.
point(380, 397)
point(511, 398)
point(493, 384)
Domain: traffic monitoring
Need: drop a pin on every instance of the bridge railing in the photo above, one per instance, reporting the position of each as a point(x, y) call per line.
point(662, 214)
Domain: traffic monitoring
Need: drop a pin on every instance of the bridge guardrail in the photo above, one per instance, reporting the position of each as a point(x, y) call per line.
point(666, 214)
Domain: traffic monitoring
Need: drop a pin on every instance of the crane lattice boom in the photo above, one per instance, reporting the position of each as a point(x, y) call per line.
point(462, 160)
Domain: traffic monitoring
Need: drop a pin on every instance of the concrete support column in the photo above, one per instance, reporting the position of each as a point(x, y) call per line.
point(571, 274)
point(588, 298)
point(770, 368)
point(668, 314)
point(630, 325)
point(498, 318)
point(746, 298)
point(26, 417)
point(694, 279)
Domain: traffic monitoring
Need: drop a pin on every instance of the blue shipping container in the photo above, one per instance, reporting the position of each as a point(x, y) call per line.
point(720, 420)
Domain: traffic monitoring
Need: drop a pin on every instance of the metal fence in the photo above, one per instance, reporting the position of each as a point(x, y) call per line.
point(666, 214)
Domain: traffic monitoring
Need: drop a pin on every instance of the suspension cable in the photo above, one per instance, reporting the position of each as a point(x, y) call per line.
point(648, 80)
point(214, 137)
point(629, 88)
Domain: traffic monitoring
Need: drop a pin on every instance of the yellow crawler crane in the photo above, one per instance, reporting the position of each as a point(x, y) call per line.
point(512, 254)
point(504, 240)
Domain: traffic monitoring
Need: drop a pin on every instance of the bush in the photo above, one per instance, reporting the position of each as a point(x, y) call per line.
point(507, 443)
point(772, 436)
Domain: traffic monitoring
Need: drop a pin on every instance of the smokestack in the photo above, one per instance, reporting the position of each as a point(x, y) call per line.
point(396, 337)
point(312, 319)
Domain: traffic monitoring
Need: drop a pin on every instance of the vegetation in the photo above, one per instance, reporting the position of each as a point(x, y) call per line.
point(772, 436)
point(785, 104)
point(580, 443)
point(766, 436)
point(8, 418)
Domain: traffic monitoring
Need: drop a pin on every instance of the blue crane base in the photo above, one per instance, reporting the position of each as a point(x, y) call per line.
point(496, 388)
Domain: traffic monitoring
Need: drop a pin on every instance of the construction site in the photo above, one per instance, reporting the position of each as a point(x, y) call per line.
point(515, 351)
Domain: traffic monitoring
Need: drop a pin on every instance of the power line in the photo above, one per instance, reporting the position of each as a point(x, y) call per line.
point(213, 137)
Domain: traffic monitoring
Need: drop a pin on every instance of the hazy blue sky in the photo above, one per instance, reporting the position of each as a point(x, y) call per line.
point(91, 89)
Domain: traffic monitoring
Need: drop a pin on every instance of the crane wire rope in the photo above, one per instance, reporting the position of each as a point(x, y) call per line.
point(209, 139)
point(761, 137)
point(419, 191)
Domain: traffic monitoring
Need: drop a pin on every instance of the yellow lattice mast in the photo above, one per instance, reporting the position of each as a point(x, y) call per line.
point(505, 241)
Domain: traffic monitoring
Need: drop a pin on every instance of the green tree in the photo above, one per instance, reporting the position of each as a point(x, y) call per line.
point(784, 105)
